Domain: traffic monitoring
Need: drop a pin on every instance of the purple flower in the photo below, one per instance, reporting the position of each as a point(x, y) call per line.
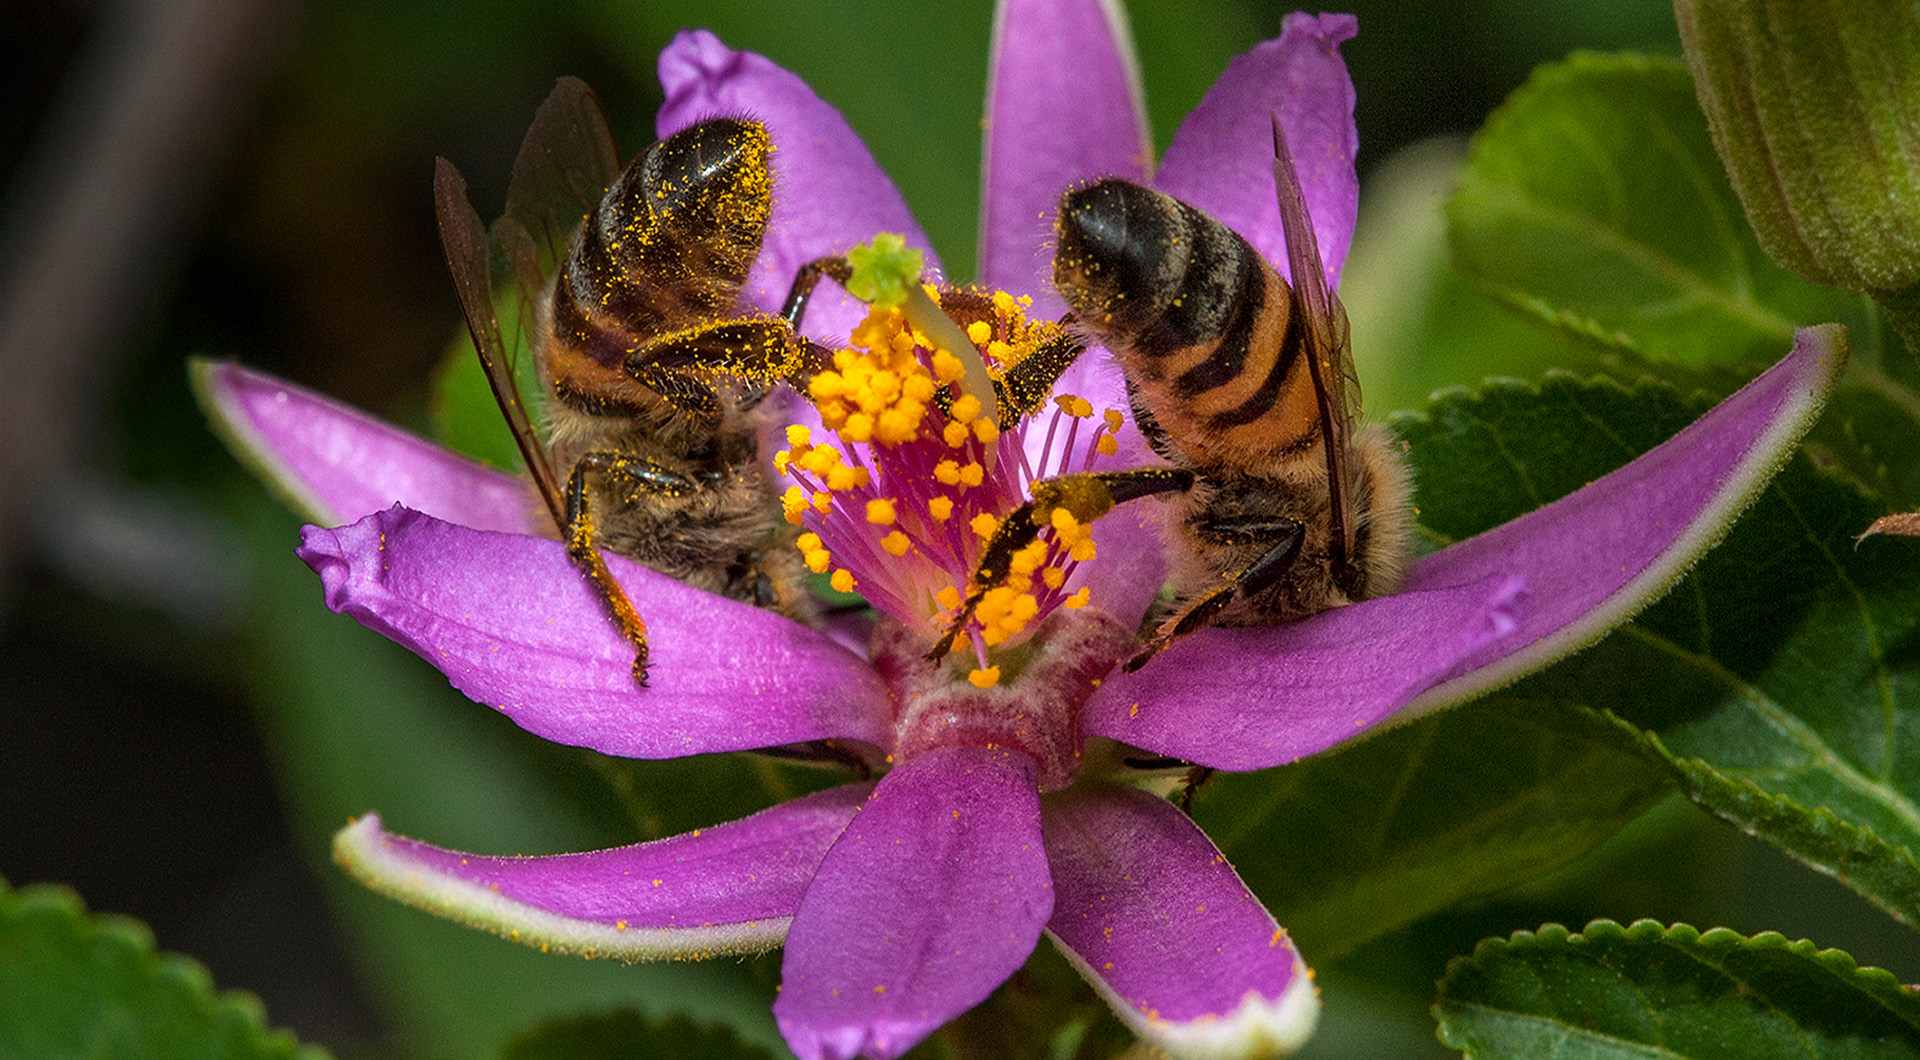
point(906, 900)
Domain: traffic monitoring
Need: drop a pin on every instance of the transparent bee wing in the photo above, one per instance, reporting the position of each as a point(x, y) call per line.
point(566, 163)
point(464, 239)
point(1330, 354)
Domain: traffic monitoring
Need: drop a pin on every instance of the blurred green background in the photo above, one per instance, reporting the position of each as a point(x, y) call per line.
point(181, 723)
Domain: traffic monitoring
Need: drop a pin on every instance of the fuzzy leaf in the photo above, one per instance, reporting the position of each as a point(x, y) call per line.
point(1776, 683)
point(1593, 199)
point(1650, 991)
point(75, 985)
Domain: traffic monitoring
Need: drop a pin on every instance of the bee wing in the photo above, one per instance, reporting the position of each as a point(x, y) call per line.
point(464, 239)
point(565, 165)
point(1330, 354)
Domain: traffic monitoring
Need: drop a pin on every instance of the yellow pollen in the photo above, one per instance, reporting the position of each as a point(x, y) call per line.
point(1077, 407)
point(1082, 550)
point(955, 434)
point(941, 508)
point(947, 473)
point(798, 434)
point(1107, 445)
point(972, 474)
point(984, 525)
point(986, 430)
point(979, 331)
point(986, 678)
point(781, 460)
point(822, 503)
point(793, 503)
point(965, 409)
point(948, 597)
point(1113, 419)
point(880, 512)
point(947, 367)
point(817, 559)
point(896, 543)
point(842, 580)
point(1053, 576)
point(1001, 351)
point(809, 542)
point(1077, 600)
point(1064, 522)
point(844, 478)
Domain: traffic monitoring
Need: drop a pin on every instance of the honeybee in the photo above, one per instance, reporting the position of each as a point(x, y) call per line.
point(1277, 506)
point(654, 378)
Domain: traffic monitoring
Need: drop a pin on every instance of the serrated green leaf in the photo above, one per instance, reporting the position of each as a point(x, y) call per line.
point(1648, 991)
point(1781, 677)
point(628, 1035)
point(1349, 845)
point(79, 986)
point(1593, 198)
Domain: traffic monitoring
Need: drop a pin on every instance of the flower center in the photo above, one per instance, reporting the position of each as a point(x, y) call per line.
point(901, 502)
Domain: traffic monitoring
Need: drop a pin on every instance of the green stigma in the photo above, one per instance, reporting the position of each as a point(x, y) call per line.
point(886, 274)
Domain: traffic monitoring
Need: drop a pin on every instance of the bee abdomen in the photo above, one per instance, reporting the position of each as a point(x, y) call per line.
point(1201, 323)
point(670, 243)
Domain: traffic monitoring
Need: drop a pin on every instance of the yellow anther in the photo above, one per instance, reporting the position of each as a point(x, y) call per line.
point(1053, 576)
point(781, 460)
point(941, 508)
point(986, 678)
point(822, 503)
point(956, 434)
point(947, 367)
point(986, 430)
point(1028, 559)
point(972, 474)
point(1077, 407)
point(1077, 600)
point(843, 478)
point(1001, 351)
point(932, 292)
point(1107, 445)
point(817, 559)
point(799, 434)
point(880, 512)
point(896, 543)
point(858, 428)
point(1064, 522)
point(1082, 550)
point(898, 426)
point(965, 409)
point(979, 331)
point(809, 542)
point(947, 473)
point(1114, 419)
point(842, 580)
point(984, 524)
point(792, 504)
point(948, 598)
point(919, 388)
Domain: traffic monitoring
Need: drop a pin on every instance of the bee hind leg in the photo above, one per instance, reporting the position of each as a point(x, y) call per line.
point(1086, 496)
point(1263, 573)
point(642, 475)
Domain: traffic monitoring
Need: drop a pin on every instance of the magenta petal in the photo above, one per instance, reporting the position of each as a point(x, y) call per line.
point(1151, 913)
point(1596, 557)
point(828, 192)
point(931, 898)
point(731, 888)
point(1063, 105)
point(1221, 160)
point(1251, 698)
point(512, 624)
point(336, 464)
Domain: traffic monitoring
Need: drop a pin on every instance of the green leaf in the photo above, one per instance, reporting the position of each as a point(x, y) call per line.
point(628, 1035)
point(1778, 683)
point(79, 986)
point(1373, 836)
point(1648, 991)
point(1593, 199)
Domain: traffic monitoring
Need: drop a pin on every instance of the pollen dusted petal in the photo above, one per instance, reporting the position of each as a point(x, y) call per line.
point(731, 888)
point(1063, 104)
point(336, 464)
point(1151, 913)
point(1221, 160)
point(934, 895)
point(514, 625)
point(828, 193)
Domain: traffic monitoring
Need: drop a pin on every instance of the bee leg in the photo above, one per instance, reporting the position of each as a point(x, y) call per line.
point(1085, 496)
point(644, 475)
point(1197, 778)
point(1262, 574)
point(806, 279)
point(1026, 386)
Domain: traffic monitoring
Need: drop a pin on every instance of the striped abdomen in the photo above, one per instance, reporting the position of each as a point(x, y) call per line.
point(1207, 332)
point(668, 247)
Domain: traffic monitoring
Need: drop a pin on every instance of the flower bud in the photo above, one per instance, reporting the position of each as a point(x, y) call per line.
point(1815, 109)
